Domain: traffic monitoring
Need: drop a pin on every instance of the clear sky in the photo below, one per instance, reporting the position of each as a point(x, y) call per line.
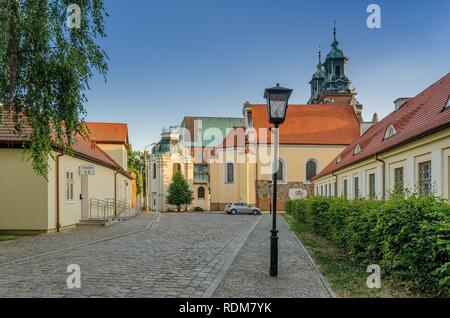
point(171, 58)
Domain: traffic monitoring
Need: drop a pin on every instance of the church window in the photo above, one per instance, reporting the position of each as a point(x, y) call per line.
point(229, 173)
point(338, 71)
point(311, 169)
point(281, 167)
point(201, 193)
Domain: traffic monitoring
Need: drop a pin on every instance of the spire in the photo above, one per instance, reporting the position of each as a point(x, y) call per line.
point(320, 55)
point(335, 41)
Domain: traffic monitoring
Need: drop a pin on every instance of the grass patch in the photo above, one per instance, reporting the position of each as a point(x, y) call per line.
point(8, 237)
point(347, 279)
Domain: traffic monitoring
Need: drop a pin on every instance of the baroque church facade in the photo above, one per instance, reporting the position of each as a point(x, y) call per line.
point(312, 136)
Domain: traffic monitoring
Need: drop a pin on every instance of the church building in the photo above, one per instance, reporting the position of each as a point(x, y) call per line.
point(227, 159)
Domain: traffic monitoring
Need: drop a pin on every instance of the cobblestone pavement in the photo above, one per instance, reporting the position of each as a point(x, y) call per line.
point(249, 274)
point(155, 255)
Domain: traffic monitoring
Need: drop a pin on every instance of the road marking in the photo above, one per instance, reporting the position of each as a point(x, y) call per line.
point(230, 259)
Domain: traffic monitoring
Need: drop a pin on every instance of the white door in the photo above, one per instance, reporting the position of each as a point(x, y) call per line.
point(84, 197)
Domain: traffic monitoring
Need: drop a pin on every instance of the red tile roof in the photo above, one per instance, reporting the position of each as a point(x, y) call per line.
point(421, 115)
point(114, 133)
point(81, 147)
point(313, 124)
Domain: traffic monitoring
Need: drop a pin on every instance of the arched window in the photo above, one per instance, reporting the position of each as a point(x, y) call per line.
point(281, 172)
point(338, 71)
point(311, 169)
point(390, 132)
point(229, 173)
point(154, 171)
point(176, 168)
point(201, 193)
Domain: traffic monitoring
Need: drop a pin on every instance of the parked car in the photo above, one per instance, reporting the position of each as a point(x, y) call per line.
point(235, 208)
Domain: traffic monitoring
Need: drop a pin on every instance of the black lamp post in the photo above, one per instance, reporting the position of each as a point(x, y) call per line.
point(277, 104)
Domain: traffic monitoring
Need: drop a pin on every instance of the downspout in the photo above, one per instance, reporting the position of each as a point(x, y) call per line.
point(58, 222)
point(115, 193)
point(383, 176)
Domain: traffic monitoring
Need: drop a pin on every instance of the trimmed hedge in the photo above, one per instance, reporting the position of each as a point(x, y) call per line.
point(408, 237)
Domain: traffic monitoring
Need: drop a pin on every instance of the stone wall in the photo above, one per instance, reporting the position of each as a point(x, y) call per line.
point(264, 193)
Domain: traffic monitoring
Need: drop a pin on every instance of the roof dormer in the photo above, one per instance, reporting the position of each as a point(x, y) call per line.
point(390, 132)
point(357, 149)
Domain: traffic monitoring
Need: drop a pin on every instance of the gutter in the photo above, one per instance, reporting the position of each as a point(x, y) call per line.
point(383, 176)
point(58, 221)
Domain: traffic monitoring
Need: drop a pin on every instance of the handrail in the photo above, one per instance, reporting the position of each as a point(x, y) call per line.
point(110, 209)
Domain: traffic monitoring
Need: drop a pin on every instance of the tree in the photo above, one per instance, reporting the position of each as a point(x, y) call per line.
point(136, 164)
point(179, 192)
point(45, 66)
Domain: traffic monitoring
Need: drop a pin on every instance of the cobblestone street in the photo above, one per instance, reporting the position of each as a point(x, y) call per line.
point(161, 255)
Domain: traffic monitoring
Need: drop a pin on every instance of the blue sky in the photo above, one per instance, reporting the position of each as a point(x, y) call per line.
point(174, 58)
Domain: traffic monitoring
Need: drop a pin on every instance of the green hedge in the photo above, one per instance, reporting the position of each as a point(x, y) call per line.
point(408, 237)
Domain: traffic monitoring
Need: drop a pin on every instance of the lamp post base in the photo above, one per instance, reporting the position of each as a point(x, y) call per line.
point(274, 253)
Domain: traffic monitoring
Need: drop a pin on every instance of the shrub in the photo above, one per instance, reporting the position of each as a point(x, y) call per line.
point(408, 237)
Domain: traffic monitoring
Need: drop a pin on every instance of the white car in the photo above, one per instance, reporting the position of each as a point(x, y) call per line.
point(235, 208)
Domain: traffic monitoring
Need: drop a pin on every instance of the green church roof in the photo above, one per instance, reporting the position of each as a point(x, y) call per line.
point(222, 124)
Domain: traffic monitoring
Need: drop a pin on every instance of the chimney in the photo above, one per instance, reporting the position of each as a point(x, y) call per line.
point(399, 102)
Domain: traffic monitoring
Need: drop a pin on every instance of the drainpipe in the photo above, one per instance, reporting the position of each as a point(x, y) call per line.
point(115, 193)
point(58, 222)
point(383, 176)
point(336, 192)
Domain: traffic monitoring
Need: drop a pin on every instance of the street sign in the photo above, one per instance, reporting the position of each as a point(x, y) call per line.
point(87, 170)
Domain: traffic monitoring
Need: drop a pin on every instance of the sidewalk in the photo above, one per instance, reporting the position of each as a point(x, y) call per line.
point(248, 276)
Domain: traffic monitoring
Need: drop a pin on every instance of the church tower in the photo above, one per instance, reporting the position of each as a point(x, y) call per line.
point(335, 87)
point(317, 81)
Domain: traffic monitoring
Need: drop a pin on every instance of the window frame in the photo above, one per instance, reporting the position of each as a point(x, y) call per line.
point(283, 166)
point(372, 186)
point(69, 186)
point(345, 189)
point(420, 183)
point(198, 193)
point(316, 162)
point(396, 183)
point(356, 188)
point(227, 173)
point(390, 132)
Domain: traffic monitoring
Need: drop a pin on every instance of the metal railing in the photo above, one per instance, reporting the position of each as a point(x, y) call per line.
point(110, 209)
point(100, 209)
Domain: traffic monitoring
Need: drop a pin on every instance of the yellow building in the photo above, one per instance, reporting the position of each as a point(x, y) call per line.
point(87, 185)
point(310, 138)
point(410, 148)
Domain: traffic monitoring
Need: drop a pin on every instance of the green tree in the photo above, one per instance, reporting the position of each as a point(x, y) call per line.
point(136, 164)
point(179, 192)
point(45, 67)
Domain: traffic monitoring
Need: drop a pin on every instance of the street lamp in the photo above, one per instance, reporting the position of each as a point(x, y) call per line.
point(277, 104)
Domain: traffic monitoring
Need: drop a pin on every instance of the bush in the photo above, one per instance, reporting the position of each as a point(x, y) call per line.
point(409, 238)
point(198, 209)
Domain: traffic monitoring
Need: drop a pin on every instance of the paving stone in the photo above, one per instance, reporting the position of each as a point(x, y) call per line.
point(181, 255)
